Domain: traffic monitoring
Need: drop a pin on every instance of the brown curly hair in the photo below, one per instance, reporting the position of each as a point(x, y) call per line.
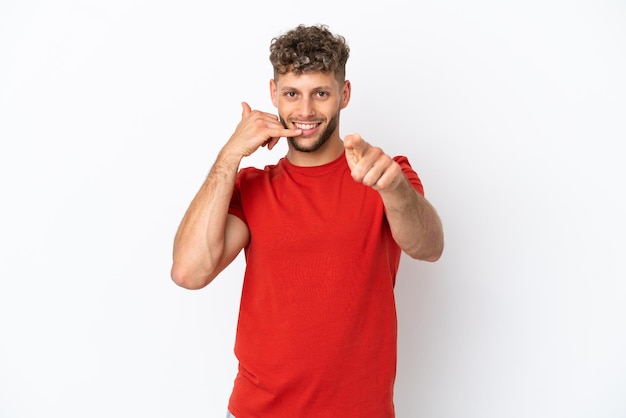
point(309, 49)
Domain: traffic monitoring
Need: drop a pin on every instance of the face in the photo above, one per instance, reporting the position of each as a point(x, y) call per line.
point(311, 102)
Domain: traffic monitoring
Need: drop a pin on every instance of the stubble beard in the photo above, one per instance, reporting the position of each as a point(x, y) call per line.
point(321, 140)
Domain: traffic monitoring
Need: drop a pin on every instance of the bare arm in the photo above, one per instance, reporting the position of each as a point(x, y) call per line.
point(415, 224)
point(208, 238)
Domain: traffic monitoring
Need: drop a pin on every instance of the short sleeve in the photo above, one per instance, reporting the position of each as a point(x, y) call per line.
point(410, 174)
point(236, 207)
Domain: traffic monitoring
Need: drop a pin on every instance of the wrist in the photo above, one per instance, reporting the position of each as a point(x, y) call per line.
point(230, 156)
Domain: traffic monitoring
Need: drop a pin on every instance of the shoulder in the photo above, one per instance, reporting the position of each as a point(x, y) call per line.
point(402, 160)
point(255, 172)
point(409, 172)
point(255, 177)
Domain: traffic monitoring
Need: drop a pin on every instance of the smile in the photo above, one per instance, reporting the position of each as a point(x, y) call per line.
point(305, 126)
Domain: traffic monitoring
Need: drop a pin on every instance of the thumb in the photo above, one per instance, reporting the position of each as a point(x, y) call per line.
point(246, 109)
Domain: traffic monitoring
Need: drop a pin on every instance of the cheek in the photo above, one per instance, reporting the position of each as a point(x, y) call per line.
point(285, 107)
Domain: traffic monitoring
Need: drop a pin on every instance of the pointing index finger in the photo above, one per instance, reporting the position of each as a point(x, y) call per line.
point(355, 145)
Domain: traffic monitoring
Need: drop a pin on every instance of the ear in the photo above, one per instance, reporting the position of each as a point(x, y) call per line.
point(273, 92)
point(347, 89)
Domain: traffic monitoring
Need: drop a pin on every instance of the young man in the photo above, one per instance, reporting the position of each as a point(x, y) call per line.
point(322, 231)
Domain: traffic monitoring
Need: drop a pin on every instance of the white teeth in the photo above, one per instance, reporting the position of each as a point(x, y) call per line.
point(306, 125)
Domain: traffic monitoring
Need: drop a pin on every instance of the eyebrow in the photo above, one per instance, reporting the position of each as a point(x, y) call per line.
point(284, 88)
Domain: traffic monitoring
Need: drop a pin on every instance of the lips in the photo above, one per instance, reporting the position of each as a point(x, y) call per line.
point(307, 128)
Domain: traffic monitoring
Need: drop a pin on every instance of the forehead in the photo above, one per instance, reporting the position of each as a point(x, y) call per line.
point(307, 81)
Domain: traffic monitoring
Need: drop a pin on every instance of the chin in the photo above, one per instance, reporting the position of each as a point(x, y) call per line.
point(306, 144)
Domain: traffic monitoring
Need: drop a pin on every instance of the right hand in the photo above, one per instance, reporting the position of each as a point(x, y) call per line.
point(258, 129)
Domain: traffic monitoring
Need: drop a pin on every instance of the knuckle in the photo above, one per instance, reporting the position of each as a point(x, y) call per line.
point(356, 174)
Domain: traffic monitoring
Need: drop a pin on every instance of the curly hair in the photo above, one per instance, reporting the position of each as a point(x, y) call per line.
point(309, 49)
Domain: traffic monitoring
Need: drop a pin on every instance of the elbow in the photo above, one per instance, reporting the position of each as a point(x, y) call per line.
point(435, 253)
point(430, 253)
point(433, 257)
point(188, 278)
point(433, 248)
point(425, 256)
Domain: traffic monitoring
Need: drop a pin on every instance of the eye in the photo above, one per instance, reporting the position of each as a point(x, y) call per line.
point(290, 94)
point(322, 94)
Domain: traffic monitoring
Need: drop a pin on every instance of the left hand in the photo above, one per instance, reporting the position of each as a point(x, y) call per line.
point(370, 165)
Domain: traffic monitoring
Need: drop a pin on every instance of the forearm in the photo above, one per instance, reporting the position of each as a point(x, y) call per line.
point(415, 225)
point(207, 240)
point(199, 241)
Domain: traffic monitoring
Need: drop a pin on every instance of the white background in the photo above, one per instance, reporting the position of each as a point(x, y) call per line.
point(513, 114)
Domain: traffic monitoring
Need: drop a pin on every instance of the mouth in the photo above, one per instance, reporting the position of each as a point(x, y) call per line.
point(307, 128)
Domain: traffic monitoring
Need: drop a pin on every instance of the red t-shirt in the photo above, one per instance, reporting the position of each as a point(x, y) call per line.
point(317, 329)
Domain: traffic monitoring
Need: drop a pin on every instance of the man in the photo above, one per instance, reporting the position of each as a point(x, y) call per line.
point(322, 231)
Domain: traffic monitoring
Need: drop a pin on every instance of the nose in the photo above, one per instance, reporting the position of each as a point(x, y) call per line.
point(307, 107)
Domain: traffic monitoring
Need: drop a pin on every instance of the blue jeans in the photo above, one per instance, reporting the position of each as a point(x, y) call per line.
point(229, 415)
